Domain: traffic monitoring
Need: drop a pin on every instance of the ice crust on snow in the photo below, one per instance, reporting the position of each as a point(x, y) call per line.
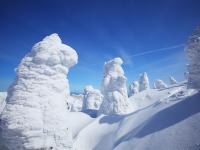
point(143, 82)
point(35, 113)
point(159, 84)
point(133, 88)
point(193, 53)
point(114, 89)
point(92, 98)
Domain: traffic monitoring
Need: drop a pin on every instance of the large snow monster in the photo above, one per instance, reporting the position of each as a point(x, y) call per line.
point(35, 114)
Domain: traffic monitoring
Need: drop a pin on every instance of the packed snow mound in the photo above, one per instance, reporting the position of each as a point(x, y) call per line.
point(148, 97)
point(92, 98)
point(193, 53)
point(134, 88)
point(36, 109)
point(159, 84)
point(143, 82)
point(3, 96)
point(170, 123)
point(114, 89)
point(77, 121)
point(172, 80)
point(76, 101)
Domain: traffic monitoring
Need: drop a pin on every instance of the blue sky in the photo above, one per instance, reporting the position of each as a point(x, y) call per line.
point(100, 30)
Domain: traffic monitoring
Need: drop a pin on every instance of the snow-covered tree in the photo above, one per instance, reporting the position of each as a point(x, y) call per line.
point(133, 88)
point(3, 96)
point(92, 98)
point(159, 84)
point(76, 102)
point(172, 80)
point(186, 75)
point(114, 89)
point(143, 82)
point(35, 113)
point(193, 53)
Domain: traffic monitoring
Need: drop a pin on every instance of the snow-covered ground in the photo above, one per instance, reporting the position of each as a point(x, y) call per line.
point(162, 119)
point(166, 119)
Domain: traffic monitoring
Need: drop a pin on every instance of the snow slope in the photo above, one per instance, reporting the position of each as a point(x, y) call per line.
point(165, 119)
point(170, 121)
point(150, 96)
point(77, 121)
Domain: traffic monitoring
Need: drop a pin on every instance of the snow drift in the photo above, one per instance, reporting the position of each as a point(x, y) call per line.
point(35, 113)
point(166, 123)
point(114, 89)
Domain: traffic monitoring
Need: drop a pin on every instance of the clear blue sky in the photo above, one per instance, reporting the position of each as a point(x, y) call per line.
point(100, 30)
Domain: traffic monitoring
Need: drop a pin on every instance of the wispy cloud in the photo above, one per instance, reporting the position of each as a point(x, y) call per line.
point(157, 50)
point(128, 58)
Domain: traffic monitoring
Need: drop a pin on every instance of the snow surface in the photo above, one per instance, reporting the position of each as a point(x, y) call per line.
point(36, 106)
point(169, 122)
point(77, 121)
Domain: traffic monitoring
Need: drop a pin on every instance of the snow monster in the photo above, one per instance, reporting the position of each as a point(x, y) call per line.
point(35, 113)
point(114, 89)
